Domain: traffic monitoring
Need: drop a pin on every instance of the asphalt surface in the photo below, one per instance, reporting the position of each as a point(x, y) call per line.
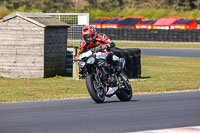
point(144, 112)
point(170, 52)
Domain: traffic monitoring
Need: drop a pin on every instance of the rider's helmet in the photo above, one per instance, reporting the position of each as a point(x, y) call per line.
point(89, 34)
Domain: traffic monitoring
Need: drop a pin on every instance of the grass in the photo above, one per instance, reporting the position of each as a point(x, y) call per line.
point(160, 74)
point(168, 74)
point(136, 44)
point(157, 45)
point(40, 89)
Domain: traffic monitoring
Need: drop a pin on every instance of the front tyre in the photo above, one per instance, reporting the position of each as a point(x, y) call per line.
point(96, 93)
point(125, 94)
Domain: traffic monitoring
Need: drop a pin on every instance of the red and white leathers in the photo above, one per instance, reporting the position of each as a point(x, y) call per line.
point(101, 39)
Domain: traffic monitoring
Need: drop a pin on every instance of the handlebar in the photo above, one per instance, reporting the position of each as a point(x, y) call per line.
point(98, 49)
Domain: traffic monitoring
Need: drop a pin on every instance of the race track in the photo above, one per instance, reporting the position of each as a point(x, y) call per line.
point(144, 112)
point(173, 52)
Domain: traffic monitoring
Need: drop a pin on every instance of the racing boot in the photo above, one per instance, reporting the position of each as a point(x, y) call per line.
point(119, 63)
point(111, 91)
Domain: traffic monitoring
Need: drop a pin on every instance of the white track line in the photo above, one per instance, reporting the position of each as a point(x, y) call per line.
point(194, 129)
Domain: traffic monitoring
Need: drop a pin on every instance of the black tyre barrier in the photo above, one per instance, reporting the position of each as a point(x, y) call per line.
point(188, 35)
point(69, 65)
point(133, 61)
point(132, 57)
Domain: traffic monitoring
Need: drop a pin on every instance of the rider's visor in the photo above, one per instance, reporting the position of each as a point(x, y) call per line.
point(88, 37)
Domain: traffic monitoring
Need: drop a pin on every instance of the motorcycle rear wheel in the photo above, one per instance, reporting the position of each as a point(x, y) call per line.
point(125, 94)
point(97, 96)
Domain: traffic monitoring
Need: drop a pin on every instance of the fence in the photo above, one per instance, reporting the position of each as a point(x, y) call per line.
point(76, 21)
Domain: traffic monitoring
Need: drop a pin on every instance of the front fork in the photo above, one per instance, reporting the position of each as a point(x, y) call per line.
point(99, 84)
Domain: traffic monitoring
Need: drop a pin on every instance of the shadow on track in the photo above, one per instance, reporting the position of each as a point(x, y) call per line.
point(117, 101)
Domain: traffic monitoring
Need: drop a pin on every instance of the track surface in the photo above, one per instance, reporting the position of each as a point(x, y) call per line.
point(170, 52)
point(144, 112)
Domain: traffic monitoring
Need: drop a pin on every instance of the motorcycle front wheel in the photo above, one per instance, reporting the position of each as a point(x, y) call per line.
point(97, 94)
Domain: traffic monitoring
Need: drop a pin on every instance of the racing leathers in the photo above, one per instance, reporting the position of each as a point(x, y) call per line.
point(103, 41)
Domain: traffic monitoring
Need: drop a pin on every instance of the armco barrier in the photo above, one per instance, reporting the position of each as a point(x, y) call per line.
point(171, 35)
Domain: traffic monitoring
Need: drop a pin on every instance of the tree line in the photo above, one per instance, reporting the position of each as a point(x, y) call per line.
point(107, 5)
point(90, 5)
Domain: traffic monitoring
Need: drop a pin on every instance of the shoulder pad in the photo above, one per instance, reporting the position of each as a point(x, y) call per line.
point(103, 36)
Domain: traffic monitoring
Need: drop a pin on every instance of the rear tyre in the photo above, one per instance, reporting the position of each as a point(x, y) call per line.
point(97, 94)
point(125, 94)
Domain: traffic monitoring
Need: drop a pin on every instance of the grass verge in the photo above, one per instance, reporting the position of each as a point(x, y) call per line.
point(157, 45)
point(149, 44)
point(159, 74)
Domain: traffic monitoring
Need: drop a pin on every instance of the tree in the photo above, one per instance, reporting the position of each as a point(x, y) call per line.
point(4, 11)
point(183, 4)
point(129, 3)
point(108, 5)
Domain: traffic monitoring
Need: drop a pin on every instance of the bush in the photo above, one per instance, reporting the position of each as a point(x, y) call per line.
point(3, 11)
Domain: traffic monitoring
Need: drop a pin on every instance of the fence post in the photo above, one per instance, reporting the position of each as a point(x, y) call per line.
point(75, 65)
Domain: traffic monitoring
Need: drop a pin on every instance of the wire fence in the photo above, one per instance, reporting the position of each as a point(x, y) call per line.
point(76, 21)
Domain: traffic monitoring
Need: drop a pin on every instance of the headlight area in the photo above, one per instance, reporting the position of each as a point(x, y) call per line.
point(90, 60)
point(81, 64)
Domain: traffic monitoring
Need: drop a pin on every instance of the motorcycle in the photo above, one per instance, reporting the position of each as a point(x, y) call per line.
point(100, 75)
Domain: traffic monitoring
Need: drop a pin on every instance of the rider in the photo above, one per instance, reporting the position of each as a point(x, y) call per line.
point(91, 40)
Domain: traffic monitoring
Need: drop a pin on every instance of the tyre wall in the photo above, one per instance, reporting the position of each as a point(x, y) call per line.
point(133, 61)
point(151, 34)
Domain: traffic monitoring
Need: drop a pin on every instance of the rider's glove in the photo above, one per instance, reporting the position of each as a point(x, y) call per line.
point(108, 45)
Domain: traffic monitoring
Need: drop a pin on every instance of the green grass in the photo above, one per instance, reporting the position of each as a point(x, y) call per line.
point(160, 74)
point(40, 89)
point(168, 74)
point(149, 44)
point(157, 45)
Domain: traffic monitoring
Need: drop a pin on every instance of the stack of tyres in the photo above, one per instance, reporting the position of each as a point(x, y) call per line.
point(130, 34)
point(147, 35)
point(133, 34)
point(143, 34)
point(189, 36)
point(194, 35)
point(134, 56)
point(128, 66)
point(178, 35)
point(151, 36)
point(161, 34)
point(184, 35)
point(175, 35)
point(112, 34)
point(170, 35)
point(133, 61)
point(138, 35)
point(69, 65)
point(121, 34)
point(155, 35)
point(126, 34)
point(198, 36)
point(165, 35)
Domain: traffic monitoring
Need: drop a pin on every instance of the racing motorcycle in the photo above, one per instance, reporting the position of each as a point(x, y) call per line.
point(100, 75)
